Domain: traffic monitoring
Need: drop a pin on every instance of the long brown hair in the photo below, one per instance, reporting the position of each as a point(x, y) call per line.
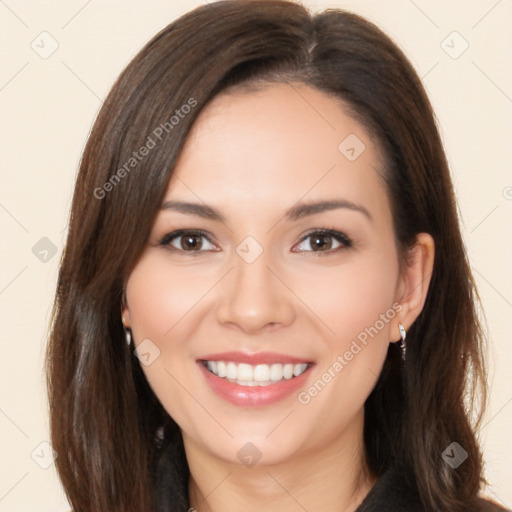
point(103, 414)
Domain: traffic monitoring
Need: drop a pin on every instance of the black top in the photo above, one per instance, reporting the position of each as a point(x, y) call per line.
point(393, 493)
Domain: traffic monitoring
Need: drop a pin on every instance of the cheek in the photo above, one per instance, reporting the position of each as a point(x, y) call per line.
point(161, 295)
point(366, 300)
point(357, 303)
point(352, 298)
point(162, 300)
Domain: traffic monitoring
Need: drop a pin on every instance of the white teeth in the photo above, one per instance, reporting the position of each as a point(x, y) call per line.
point(299, 368)
point(258, 375)
point(244, 372)
point(288, 371)
point(221, 369)
point(231, 371)
point(276, 372)
point(261, 373)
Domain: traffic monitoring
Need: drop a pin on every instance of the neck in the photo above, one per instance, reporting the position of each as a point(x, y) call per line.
point(332, 477)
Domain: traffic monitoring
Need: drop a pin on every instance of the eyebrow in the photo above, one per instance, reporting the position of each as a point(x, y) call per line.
point(303, 209)
point(296, 212)
point(201, 210)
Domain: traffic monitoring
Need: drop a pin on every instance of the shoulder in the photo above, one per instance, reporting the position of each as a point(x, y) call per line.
point(486, 505)
point(395, 492)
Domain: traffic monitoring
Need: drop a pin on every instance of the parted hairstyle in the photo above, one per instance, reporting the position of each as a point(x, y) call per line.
point(104, 417)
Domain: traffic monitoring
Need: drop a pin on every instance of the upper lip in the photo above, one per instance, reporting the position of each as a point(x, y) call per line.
point(254, 358)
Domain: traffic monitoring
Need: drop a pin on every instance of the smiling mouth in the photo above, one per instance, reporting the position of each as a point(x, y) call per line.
point(250, 375)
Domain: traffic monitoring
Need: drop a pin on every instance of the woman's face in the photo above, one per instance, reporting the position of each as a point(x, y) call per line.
point(265, 301)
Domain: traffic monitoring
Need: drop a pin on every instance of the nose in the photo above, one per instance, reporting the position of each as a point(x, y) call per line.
point(253, 299)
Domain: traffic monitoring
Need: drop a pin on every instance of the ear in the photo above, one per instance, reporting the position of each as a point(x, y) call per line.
point(125, 312)
point(414, 281)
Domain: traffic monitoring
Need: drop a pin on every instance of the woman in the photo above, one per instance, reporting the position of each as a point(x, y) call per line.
point(264, 301)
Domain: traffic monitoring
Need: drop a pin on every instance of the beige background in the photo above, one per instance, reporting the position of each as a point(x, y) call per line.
point(48, 106)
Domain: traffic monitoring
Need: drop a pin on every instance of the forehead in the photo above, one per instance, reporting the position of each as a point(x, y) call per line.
point(274, 146)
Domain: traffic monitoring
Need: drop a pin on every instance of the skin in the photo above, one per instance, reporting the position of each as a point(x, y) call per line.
point(253, 155)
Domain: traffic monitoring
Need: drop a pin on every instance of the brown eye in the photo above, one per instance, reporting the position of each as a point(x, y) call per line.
point(321, 242)
point(324, 241)
point(190, 242)
point(187, 241)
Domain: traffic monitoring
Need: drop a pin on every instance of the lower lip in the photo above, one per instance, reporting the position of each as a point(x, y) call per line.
point(253, 395)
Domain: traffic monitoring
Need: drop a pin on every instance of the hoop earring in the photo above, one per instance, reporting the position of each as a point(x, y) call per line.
point(403, 335)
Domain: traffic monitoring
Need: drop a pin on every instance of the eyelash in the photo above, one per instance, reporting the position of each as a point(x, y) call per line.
point(167, 239)
point(345, 242)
